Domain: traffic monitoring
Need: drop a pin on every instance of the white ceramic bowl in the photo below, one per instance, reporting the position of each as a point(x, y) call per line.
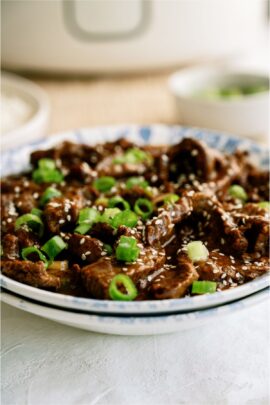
point(16, 160)
point(36, 123)
point(248, 115)
point(134, 325)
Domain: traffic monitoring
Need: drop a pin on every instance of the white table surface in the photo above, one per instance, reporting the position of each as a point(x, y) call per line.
point(45, 363)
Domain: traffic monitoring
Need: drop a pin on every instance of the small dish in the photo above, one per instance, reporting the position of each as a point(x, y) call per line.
point(247, 115)
point(132, 325)
point(23, 99)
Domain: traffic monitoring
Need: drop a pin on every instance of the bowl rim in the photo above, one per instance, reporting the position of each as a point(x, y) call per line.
point(38, 121)
point(210, 71)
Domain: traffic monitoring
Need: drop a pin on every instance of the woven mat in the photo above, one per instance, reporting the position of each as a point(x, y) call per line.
point(140, 99)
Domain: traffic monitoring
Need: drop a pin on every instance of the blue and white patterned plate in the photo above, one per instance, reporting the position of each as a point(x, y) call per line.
point(17, 159)
point(134, 325)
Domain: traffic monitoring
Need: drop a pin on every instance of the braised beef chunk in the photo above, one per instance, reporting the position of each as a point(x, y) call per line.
point(26, 237)
point(96, 277)
point(10, 246)
point(61, 212)
point(32, 273)
point(174, 281)
point(117, 208)
point(85, 248)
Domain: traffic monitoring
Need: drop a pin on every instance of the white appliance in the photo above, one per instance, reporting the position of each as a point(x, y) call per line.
point(89, 36)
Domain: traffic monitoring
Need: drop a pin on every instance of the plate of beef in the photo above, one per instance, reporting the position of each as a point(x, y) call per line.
point(135, 220)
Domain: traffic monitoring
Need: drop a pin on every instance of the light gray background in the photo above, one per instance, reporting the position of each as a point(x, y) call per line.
point(45, 363)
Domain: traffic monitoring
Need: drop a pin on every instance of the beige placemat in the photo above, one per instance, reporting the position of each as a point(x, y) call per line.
point(141, 99)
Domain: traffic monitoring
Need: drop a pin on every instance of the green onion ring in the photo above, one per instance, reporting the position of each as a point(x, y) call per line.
point(53, 247)
point(127, 283)
point(119, 202)
point(143, 207)
point(32, 249)
point(32, 221)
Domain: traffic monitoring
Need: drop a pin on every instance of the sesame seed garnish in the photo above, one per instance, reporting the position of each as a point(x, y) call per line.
point(82, 241)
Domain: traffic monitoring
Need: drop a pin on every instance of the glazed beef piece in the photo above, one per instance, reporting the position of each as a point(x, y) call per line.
point(81, 172)
point(229, 271)
point(191, 157)
point(61, 212)
point(96, 277)
point(253, 222)
point(26, 237)
point(159, 230)
point(257, 185)
point(8, 213)
point(10, 247)
point(67, 154)
point(31, 273)
point(174, 281)
point(107, 167)
point(85, 248)
point(103, 231)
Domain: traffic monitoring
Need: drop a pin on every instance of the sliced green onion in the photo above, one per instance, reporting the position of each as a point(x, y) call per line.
point(32, 249)
point(136, 181)
point(203, 287)
point(47, 172)
point(87, 217)
point(143, 207)
point(133, 156)
point(108, 248)
point(53, 247)
point(102, 201)
point(47, 176)
point(171, 198)
point(127, 249)
point(124, 281)
point(136, 155)
point(32, 221)
point(104, 184)
point(197, 251)
point(238, 192)
point(37, 212)
point(109, 214)
point(127, 218)
point(46, 164)
point(83, 228)
point(48, 194)
point(119, 202)
point(264, 204)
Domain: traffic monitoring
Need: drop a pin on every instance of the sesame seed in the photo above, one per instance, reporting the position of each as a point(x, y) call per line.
point(194, 152)
point(61, 221)
point(82, 241)
point(68, 217)
point(83, 256)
